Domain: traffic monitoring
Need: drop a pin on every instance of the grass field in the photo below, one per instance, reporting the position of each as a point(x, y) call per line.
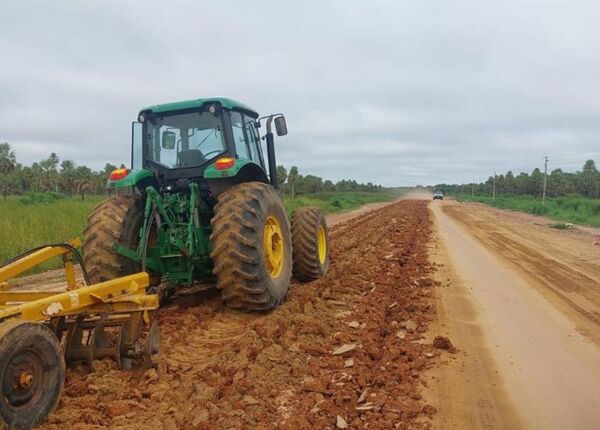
point(24, 226)
point(573, 209)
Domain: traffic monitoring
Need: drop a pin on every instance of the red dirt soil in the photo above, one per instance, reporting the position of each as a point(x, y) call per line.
point(222, 369)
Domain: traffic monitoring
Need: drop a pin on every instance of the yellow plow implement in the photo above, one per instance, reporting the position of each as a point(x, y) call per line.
point(42, 331)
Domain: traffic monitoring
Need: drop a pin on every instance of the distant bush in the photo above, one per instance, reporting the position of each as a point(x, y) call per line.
point(41, 198)
point(336, 203)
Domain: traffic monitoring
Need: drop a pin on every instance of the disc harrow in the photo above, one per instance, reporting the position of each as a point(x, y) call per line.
point(42, 331)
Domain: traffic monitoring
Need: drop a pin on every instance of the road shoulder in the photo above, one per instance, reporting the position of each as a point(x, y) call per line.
point(466, 389)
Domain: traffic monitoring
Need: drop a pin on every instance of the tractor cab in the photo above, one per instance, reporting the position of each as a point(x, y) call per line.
point(215, 142)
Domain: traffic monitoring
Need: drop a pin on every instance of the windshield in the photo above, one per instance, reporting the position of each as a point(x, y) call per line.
point(186, 140)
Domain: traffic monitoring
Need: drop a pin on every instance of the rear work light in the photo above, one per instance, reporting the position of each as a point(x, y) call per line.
point(118, 174)
point(224, 163)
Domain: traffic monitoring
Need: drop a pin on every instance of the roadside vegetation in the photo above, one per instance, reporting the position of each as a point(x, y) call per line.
point(572, 197)
point(332, 202)
point(584, 183)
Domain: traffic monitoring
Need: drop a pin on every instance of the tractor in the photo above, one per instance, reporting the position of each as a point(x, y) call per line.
point(200, 206)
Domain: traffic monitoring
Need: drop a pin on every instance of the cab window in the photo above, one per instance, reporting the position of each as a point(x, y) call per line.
point(184, 140)
point(242, 149)
point(253, 139)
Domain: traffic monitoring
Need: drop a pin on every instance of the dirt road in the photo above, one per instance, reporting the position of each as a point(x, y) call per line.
point(349, 349)
point(522, 303)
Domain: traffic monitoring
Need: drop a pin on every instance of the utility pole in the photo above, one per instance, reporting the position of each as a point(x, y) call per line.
point(494, 188)
point(545, 180)
point(472, 189)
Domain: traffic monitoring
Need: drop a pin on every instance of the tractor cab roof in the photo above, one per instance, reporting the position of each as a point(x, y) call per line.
point(196, 103)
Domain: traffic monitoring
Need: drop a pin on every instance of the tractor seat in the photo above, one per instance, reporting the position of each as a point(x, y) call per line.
point(191, 158)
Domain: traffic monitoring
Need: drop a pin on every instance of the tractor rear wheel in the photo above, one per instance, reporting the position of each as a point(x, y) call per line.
point(311, 244)
point(116, 220)
point(32, 374)
point(252, 247)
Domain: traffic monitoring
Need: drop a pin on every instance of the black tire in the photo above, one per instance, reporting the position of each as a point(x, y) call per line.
point(116, 220)
point(310, 262)
point(240, 263)
point(32, 374)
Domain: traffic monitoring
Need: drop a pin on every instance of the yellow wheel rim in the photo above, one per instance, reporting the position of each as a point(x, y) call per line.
point(273, 246)
point(322, 244)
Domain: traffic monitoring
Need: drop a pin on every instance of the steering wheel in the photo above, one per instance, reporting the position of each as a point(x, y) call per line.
point(216, 151)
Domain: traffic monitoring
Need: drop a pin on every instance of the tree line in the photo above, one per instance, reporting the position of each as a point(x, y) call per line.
point(292, 183)
point(49, 175)
point(53, 175)
point(584, 182)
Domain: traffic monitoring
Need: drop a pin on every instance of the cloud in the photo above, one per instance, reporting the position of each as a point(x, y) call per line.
point(384, 91)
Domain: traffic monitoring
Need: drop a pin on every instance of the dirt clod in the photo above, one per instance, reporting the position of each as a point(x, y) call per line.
point(429, 410)
point(410, 325)
point(442, 342)
point(344, 349)
point(341, 423)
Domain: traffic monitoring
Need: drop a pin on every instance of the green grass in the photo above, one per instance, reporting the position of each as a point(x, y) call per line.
point(333, 202)
point(571, 209)
point(27, 222)
point(24, 225)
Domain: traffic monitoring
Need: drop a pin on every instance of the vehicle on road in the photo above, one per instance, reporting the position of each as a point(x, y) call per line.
point(438, 195)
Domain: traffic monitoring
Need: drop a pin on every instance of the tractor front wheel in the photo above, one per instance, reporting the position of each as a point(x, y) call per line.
point(252, 247)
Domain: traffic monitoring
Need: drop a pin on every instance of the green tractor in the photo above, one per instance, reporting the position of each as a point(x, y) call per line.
point(200, 206)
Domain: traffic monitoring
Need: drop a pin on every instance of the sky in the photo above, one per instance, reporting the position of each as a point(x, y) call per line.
point(391, 92)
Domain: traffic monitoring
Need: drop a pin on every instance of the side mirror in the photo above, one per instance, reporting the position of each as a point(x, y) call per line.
point(169, 139)
point(280, 126)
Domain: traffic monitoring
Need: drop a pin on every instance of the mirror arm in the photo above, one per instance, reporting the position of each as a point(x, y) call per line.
point(269, 121)
point(271, 156)
point(271, 149)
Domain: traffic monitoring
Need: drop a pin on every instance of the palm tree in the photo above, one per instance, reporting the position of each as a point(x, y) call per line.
point(8, 162)
point(68, 176)
point(292, 178)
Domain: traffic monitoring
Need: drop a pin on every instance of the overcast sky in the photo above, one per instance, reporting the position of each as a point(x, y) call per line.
point(393, 92)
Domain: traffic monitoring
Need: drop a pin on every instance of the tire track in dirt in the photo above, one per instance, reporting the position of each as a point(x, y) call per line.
point(567, 281)
point(223, 369)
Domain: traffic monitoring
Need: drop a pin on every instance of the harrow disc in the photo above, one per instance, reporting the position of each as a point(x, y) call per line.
point(32, 372)
point(139, 341)
point(130, 340)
